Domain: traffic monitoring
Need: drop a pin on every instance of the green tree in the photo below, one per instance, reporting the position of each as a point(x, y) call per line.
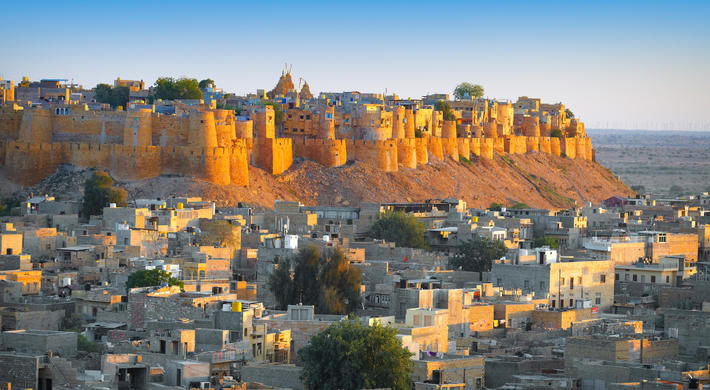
point(569, 113)
point(83, 344)
point(104, 93)
point(519, 205)
point(446, 109)
point(477, 254)
point(495, 206)
point(152, 277)
point(557, 133)
point(206, 83)
point(546, 241)
point(400, 228)
point(676, 190)
point(168, 88)
point(98, 193)
point(350, 356)
point(468, 90)
point(324, 280)
point(219, 233)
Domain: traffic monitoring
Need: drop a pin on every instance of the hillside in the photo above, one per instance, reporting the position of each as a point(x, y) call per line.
point(539, 180)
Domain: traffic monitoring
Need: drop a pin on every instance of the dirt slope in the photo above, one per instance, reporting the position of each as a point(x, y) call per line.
point(539, 180)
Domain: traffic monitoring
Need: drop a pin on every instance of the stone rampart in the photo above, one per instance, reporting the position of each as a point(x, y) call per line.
point(568, 146)
point(275, 155)
point(407, 152)
point(475, 146)
point(464, 147)
point(532, 144)
point(422, 146)
point(29, 163)
point(451, 148)
point(382, 153)
point(327, 152)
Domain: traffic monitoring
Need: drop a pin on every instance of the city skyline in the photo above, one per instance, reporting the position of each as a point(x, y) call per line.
point(616, 65)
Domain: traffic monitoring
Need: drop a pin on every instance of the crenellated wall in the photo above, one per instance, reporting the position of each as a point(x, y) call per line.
point(382, 153)
point(499, 145)
point(487, 148)
point(555, 146)
point(451, 148)
point(326, 152)
point(436, 148)
point(275, 155)
point(475, 147)
point(29, 163)
point(568, 146)
point(407, 152)
point(215, 146)
point(532, 144)
point(422, 145)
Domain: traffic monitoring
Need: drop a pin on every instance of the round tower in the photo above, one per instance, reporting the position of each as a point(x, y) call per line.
point(202, 131)
point(449, 129)
point(244, 129)
point(224, 127)
point(326, 130)
point(138, 128)
point(408, 123)
point(36, 126)
point(398, 122)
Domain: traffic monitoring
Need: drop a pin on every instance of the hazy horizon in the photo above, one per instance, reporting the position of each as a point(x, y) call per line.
point(615, 64)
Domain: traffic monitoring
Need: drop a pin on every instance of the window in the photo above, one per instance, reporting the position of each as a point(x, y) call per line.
point(616, 276)
point(598, 299)
point(526, 284)
point(668, 279)
point(571, 302)
point(653, 279)
point(602, 278)
point(499, 282)
point(571, 283)
point(635, 278)
point(562, 281)
point(542, 285)
point(553, 303)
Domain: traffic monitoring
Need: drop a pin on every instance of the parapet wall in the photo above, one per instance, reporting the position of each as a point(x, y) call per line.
point(382, 153)
point(29, 163)
point(327, 152)
point(275, 155)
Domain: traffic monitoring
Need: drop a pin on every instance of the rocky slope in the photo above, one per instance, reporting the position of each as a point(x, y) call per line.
point(539, 180)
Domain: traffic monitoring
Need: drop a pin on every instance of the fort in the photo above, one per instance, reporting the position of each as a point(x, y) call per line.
point(219, 146)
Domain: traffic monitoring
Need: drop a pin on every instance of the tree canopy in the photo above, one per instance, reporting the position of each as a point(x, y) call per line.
point(220, 233)
point(546, 241)
point(446, 109)
point(477, 255)
point(152, 277)
point(324, 280)
point(468, 90)
point(206, 83)
point(168, 88)
point(99, 192)
point(278, 113)
point(569, 113)
point(495, 206)
point(557, 133)
point(118, 96)
point(400, 228)
point(348, 355)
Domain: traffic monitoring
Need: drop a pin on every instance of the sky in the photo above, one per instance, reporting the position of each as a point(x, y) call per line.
point(616, 64)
